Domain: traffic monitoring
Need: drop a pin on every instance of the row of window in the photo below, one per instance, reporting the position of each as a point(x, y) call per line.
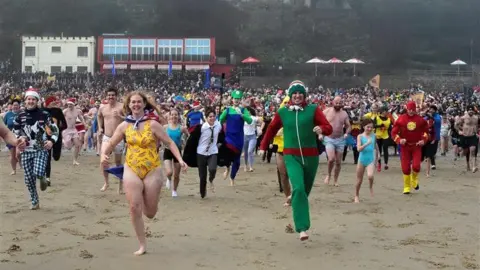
point(160, 57)
point(161, 42)
point(58, 69)
point(161, 50)
point(31, 51)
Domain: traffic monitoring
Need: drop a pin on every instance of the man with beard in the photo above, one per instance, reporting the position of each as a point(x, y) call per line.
point(335, 142)
point(467, 127)
point(52, 107)
point(109, 117)
point(301, 124)
point(234, 118)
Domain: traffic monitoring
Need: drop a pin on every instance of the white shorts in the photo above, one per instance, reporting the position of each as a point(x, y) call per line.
point(118, 148)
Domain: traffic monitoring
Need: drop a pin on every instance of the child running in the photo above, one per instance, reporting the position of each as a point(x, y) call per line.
point(368, 150)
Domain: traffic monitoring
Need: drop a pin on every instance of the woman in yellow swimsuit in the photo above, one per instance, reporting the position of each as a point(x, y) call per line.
point(142, 175)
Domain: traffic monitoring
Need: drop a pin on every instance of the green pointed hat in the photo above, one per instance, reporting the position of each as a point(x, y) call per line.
point(237, 94)
point(297, 86)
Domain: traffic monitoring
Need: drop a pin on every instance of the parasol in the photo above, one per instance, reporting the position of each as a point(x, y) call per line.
point(458, 63)
point(355, 62)
point(334, 61)
point(316, 61)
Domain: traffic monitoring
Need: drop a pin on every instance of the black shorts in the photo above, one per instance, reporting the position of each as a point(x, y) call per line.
point(168, 155)
point(455, 140)
point(429, 150)
point(469, 141)
point(280, 153)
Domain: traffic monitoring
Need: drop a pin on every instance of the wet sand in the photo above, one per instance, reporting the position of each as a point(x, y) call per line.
point(79, 227)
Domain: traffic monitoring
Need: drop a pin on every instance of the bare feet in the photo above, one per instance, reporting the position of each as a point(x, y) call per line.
point(250, 170)
point(288, 202)
point(141, 251)
point(356, 200)
point(232, 183)
point(225, 175)
point(75, 163)
point(475, 170)
point(371, 192)
point(336, 184)
point(427, 175)
point(303, 236)
point(120, 189)
point(13, 173)
point(245, 169)
point(327, 180)
point(105, 187)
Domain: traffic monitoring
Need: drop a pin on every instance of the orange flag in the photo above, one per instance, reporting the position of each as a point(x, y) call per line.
point(375, 82)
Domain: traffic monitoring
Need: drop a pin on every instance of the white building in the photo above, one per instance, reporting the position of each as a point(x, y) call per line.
point(57, 54)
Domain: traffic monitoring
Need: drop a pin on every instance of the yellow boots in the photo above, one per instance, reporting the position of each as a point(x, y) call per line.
point(406, 184)
point(410, 181)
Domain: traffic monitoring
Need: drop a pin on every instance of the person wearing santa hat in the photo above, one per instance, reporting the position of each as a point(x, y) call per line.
point(411, 132)
point(71, 135)
point(37, 128)
point(195, 116)
point(52, 107)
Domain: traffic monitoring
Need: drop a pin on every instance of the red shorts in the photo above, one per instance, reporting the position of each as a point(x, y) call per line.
point(80, 128)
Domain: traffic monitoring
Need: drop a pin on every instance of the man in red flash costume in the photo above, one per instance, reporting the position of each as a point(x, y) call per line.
point(410, 130)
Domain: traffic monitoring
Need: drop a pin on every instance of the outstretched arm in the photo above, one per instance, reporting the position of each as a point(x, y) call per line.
point(117, 137)
point(7, 135)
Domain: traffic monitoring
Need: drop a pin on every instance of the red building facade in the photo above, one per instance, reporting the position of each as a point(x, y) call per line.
point(136, 53)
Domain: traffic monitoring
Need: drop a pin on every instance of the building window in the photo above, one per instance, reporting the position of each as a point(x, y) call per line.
point(69, 69)
point(29, 51)
point(115, 48)
point(197, 50)
point(28, 69)
point(56, 49)
point(55, 69)
point(82, 52)
point(142, 50)
point(82, 69)
point(170, 49)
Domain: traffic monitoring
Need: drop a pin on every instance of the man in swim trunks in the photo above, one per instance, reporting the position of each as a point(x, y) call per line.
point(335, 142)
point(71, 135)
point(109, 117)
point(467, 126)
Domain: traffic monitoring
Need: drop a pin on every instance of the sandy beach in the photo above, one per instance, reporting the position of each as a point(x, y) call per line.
point(243, 227)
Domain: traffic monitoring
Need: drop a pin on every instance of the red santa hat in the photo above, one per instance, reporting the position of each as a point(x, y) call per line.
point(196, 104)
point(32, 92)
point(49, 100)
point(71, 101)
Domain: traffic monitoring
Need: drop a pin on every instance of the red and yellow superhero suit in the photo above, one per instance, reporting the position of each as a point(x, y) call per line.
point(410, 130)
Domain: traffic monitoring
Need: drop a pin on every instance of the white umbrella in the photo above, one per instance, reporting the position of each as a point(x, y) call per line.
point(458, 63)
point(354, 61)
point(334, 61)
point(316, 61)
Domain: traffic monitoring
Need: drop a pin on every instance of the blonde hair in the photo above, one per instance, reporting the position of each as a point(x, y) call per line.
point(148, 105)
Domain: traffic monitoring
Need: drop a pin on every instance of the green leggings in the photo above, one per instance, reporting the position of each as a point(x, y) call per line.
point(301, 179)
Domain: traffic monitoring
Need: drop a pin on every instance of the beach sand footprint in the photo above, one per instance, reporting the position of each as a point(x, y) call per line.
point(73, 232)
point(84, 254)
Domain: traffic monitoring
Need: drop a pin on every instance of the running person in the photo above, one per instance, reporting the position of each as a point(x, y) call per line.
point(52, 107)
point(467, 126)
point(369, 153)
point(8, 120)
point(38, 129)
point(142, 177)
point(175, 131)
point(301, 124)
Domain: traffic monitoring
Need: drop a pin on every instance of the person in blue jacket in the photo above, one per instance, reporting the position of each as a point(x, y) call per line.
point(437, 125)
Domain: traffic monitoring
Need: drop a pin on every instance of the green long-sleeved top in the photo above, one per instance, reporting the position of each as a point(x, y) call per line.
point(245, 116)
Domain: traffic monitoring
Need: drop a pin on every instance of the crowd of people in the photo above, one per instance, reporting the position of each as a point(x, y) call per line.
point(149, 119)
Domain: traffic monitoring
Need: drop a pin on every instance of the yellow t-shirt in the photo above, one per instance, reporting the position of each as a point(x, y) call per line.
point(382, 132)
point(370, 115)
point(278, 140)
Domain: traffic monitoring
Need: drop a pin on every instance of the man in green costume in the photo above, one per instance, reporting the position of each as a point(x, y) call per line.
point(302, 123)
